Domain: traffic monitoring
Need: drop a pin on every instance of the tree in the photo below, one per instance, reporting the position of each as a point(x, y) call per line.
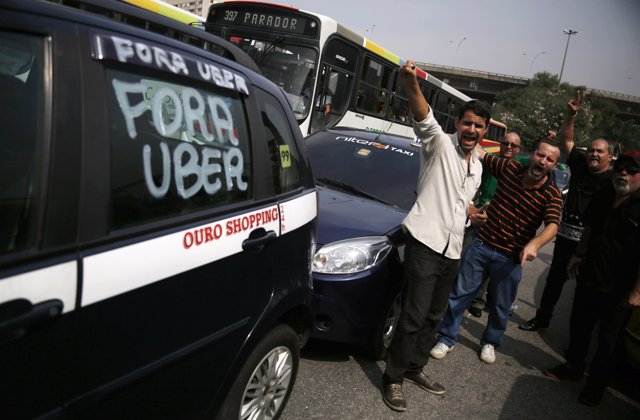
point(613, 129)
point(532, 110)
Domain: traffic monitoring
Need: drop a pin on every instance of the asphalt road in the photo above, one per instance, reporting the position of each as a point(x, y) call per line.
point(340, 382)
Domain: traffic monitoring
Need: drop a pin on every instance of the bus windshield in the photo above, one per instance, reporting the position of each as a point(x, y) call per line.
point(291, 67)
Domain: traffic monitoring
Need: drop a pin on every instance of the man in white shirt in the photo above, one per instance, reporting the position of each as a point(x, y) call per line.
point(449, 177)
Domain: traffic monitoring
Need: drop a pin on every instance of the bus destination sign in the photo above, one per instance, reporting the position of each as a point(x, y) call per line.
point(277, 21)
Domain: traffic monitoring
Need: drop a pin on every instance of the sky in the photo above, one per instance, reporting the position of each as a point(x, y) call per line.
point(512, 37)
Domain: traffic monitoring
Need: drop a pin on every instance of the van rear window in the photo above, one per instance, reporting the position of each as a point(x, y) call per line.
point(175, 148)
point(21, 138)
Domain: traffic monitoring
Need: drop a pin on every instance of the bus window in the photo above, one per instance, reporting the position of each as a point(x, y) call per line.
point(332, 97)
point(398, 109)
point(441, 110)
point(496, 131)
point(333, 93)
point(373, 89)
point(291, 67)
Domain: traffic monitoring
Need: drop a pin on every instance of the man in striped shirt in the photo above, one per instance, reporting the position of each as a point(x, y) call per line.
point(525, 198)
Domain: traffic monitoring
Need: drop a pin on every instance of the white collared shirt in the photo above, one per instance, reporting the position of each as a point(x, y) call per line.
point(446, 186)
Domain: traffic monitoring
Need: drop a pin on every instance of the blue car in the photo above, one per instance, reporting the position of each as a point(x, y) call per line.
point(367, 185)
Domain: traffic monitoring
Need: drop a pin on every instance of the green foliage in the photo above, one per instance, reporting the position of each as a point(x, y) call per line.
point(532, 110)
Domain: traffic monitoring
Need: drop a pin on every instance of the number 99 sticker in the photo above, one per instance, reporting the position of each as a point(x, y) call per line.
point(285, 156)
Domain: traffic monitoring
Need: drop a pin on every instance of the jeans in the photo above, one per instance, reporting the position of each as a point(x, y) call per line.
point(428, 277)
point(562, 252)
point(480, 260)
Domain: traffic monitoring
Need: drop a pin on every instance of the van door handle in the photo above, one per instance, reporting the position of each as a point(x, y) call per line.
point(258, 239)
point(19, 315)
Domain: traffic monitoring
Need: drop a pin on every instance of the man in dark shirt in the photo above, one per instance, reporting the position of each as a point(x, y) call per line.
point(525, 198)
point(588, 172)
point(608, 281)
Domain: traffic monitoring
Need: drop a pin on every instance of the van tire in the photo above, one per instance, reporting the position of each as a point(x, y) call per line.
point(266, 380)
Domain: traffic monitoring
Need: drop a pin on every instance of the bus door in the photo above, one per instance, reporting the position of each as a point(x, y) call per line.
point(335, 84)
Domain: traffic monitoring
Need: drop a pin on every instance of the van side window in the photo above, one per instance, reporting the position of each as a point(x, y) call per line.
point(285, 160)
point(175, 148)
point(21, 138)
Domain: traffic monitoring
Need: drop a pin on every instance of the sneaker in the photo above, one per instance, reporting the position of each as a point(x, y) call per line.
point(563, 372)
point(425, 382)
point(393, 396)
point(590, 396)
point(440, 350)
point(488, 354)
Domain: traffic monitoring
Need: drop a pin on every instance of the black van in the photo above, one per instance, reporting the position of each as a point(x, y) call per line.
point(157, 220)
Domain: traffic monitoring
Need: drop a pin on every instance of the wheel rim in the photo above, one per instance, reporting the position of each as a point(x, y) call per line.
point(268, 385)
point(391, 321)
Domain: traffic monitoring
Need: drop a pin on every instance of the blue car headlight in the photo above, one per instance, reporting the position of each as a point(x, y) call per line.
point(351, 255)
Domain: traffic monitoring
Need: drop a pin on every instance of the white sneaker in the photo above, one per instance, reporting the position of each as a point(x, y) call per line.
point(440, 350)
point(488, 354)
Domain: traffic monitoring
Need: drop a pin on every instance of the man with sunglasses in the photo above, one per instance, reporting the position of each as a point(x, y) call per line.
point(588, 173)
point(607, 264)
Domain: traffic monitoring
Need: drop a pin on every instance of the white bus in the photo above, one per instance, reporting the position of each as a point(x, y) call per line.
point(319, 62)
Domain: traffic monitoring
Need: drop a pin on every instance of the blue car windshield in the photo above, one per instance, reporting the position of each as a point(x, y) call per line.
point(388, 172)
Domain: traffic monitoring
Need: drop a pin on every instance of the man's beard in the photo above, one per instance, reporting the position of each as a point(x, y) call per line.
point(621, 189)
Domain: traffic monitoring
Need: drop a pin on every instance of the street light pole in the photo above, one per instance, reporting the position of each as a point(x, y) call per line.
point(372, 28)
point(457, 49)
point(534, 59)
point(569, 32)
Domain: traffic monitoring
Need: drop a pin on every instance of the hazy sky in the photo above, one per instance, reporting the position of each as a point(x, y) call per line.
point(504, 36)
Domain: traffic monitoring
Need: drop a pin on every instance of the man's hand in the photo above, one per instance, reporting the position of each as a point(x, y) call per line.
point(417, 102)
point(634, 297)
point(572, 267)
point(477, 216)
point(528, 253)
point(573, 106)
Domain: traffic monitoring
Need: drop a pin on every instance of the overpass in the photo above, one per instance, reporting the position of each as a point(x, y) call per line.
point(485, 86)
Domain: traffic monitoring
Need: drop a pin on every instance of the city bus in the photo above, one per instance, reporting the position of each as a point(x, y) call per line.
point(493, 137)
point(330, 74)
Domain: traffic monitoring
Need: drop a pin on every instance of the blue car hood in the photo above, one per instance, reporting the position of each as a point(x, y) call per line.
point(344, 216)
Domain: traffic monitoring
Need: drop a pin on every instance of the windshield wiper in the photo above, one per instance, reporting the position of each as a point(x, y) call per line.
point(269, 50)
point(351, 189)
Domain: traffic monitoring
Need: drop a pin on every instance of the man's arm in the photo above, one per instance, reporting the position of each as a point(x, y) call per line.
point(566, 132)
point(417, 102)
point(530, 250)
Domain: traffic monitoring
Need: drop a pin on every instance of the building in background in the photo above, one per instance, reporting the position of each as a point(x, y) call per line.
point(198, 7)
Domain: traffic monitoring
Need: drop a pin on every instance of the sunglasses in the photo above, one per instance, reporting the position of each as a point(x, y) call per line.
point(510, 144)
point(630, 169)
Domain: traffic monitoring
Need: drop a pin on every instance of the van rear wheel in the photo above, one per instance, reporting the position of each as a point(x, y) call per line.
point(265, 382)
